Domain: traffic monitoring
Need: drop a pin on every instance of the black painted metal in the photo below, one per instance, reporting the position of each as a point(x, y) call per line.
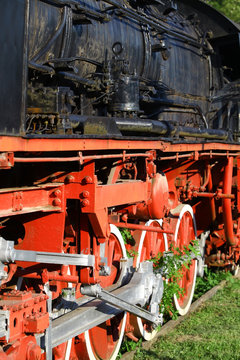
point(139, 61)
point(13, 64)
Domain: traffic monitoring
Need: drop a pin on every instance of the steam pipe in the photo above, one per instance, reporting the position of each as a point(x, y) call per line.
point(76, 78)
point(211, 201)
point(53, 38)
point(167, 129)
point(202, 133)
point(227, 208)
point(142, 227)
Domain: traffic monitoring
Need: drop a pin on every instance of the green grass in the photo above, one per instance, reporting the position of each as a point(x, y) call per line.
point(210, 279)
point(212, 333)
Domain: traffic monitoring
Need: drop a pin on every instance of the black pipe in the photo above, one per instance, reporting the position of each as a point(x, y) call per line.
point(152, 100)
point(157, 128)
point(53, 38)
point(167, 129)
point(217, 134)
point(40, 67)
point(76, 78)
point(144, 126)
point(159, 24)
point(78, 6)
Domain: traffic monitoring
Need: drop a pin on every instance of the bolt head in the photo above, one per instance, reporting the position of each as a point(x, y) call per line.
point(85, 203)
point(87, 180)
point(57, 193)
point(56, 202)
point(85, 194)
point(69, 179)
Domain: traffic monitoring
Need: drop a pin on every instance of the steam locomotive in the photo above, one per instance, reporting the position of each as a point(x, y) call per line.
point(114, 114)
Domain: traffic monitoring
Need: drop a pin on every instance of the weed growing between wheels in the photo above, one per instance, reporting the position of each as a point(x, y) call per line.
point(171, 265)
point(129, 242)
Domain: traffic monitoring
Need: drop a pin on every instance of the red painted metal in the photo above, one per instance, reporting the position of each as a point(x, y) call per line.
point(203, 186)
point(184, 234)
point(45, 198)
point(211, 201)
point(143, 228)
point(79, 158)
point(65, 204)
point(27, 313)
point(218, 195)
point(46, 159)
point(18, 144)
point(102, 341)
point(238, 195)
point(156, 205)
point(41, 232)
point(50, 276)
point(23, 348)
point(6, 160)
point(227, 205)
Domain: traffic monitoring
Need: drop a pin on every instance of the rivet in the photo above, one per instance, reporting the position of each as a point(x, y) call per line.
point(69, 179)
point(85, 202)
point(85, 194)
point(56, 202)
point(57, 193)
point(87, 180)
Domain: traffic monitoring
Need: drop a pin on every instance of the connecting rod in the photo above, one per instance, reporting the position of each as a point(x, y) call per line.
point(99, 292)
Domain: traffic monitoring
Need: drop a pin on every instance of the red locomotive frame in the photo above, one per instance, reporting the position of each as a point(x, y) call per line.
point(81, 187)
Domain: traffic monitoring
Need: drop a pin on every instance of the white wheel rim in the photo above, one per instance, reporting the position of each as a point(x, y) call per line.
point(116, 350)
point(184, 310)
point(148, 223)
point(115, 231)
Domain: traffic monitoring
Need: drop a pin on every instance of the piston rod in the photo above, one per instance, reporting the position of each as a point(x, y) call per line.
point(97, 291)
point(9, 254)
